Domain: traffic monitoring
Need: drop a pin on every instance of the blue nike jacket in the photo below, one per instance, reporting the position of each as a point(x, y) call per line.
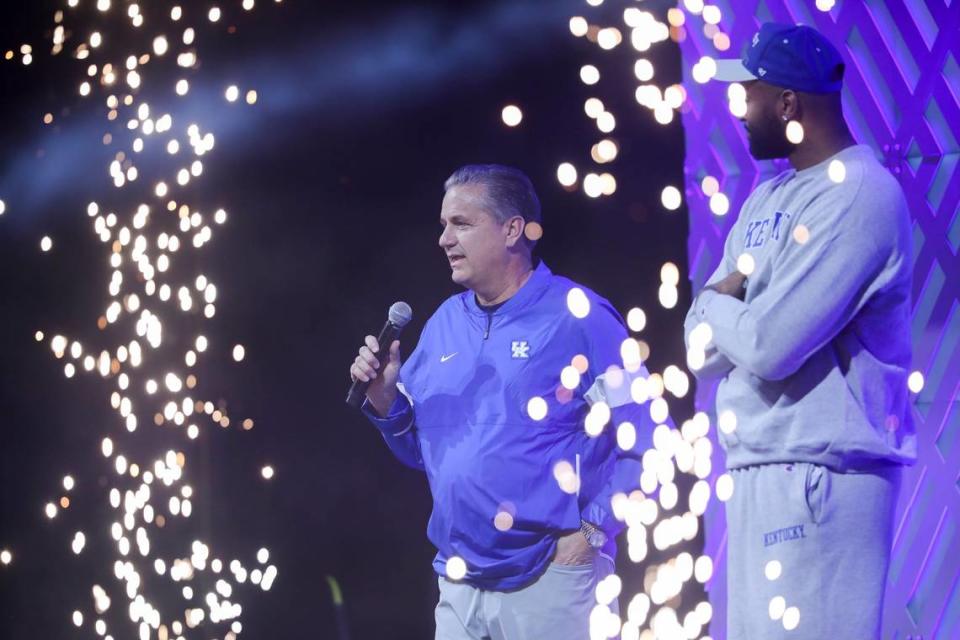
point(462, 417)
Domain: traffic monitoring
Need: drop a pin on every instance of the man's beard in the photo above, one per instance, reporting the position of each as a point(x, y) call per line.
point(768, 140)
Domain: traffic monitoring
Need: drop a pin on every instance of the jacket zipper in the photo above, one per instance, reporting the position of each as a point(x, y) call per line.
point(486, 334)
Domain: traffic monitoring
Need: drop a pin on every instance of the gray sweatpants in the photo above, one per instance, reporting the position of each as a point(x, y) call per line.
point(808, 551)
point(556, 607)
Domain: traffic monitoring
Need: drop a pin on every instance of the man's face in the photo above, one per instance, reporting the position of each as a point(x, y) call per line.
point(766, 132)
point(476, 245)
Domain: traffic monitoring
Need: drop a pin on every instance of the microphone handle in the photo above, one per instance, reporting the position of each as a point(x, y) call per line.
point(358, 390)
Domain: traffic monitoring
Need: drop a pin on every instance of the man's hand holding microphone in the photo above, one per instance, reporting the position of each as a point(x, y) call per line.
point(375, 373)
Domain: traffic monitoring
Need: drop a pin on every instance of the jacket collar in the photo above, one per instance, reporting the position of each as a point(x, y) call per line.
point(529, 292)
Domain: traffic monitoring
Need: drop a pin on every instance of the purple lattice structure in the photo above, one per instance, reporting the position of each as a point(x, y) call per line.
point(902, 97)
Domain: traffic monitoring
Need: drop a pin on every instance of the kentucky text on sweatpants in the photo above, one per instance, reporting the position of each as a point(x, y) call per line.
point(782, 535)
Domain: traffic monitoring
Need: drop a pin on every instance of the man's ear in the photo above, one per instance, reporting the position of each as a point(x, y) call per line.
point(789, 105)
point(514, 228)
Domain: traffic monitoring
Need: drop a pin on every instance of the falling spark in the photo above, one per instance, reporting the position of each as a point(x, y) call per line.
point(837, 171)
point(578, 303)
point(636, 319)
point(791, 618)
point(746, 264)
point(719, 204)
point(724, 487)
point(773, 570)
point(589, 74)
point(456, 568)
point(727, 421)
point(704, 69)
point(670, 198)
point(643, 69)
point(511, 115)
point(537, 408)
point(794, 132)
point(579, 26)
point(503, 521)
point(915, 382)
point(567, 174)
point(776, 607)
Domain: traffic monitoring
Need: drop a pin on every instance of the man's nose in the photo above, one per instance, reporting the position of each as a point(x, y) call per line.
point(446, 239)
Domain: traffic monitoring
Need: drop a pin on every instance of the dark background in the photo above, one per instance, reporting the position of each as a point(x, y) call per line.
point(333, 182)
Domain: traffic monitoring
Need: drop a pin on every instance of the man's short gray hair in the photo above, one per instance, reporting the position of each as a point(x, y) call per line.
point(508, 192)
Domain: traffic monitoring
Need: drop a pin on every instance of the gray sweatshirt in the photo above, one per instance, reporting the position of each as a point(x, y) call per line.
point(814, 362)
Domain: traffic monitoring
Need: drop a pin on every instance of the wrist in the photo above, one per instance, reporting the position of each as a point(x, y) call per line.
point(595, 536)
point(382, 402)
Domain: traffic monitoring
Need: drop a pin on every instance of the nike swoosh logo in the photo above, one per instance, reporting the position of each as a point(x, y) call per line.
point(445, 358)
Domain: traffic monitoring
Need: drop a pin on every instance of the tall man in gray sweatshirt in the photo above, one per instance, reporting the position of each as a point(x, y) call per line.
point(806, 323)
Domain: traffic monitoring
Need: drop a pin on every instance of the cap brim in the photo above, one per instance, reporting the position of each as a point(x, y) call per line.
point(732, 70)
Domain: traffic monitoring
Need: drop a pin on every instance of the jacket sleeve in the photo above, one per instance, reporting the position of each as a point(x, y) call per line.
point(398, 427)
point(608, 333)
point(398, 430)
point(818, 288)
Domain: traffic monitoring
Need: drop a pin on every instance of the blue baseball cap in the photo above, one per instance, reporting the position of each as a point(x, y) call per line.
point(791, 56)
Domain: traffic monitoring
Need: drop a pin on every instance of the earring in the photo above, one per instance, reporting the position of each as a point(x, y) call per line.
point(785, 118)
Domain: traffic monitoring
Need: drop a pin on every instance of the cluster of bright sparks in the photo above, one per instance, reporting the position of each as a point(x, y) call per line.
point(656, 514)
point(643, 31)
point(150, 375)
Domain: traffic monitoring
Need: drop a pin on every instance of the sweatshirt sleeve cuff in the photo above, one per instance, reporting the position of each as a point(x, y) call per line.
point(702, 303)
point(719, 311)
point(398, 420)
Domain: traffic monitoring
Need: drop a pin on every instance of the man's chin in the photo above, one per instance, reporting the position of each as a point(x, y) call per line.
point(458, 277)
point(766, 153)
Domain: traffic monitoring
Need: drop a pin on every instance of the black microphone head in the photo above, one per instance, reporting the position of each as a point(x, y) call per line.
point(400, 314)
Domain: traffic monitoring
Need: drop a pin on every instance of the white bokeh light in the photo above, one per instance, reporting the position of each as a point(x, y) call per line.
point(511, 115)
point(773, 570)
point(776, 607)
point(456, 568)
point(537, 408)
point(567, 174)
point(724, 487)
point(837, 171)
point(915, 382)
point(671, 198)
point(578, 303)
point(589, 74)
point(794, 132)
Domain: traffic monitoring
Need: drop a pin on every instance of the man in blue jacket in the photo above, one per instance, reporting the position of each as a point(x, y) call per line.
point(522, 464)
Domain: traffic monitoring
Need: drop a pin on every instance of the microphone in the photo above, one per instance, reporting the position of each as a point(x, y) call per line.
point(398, 316)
